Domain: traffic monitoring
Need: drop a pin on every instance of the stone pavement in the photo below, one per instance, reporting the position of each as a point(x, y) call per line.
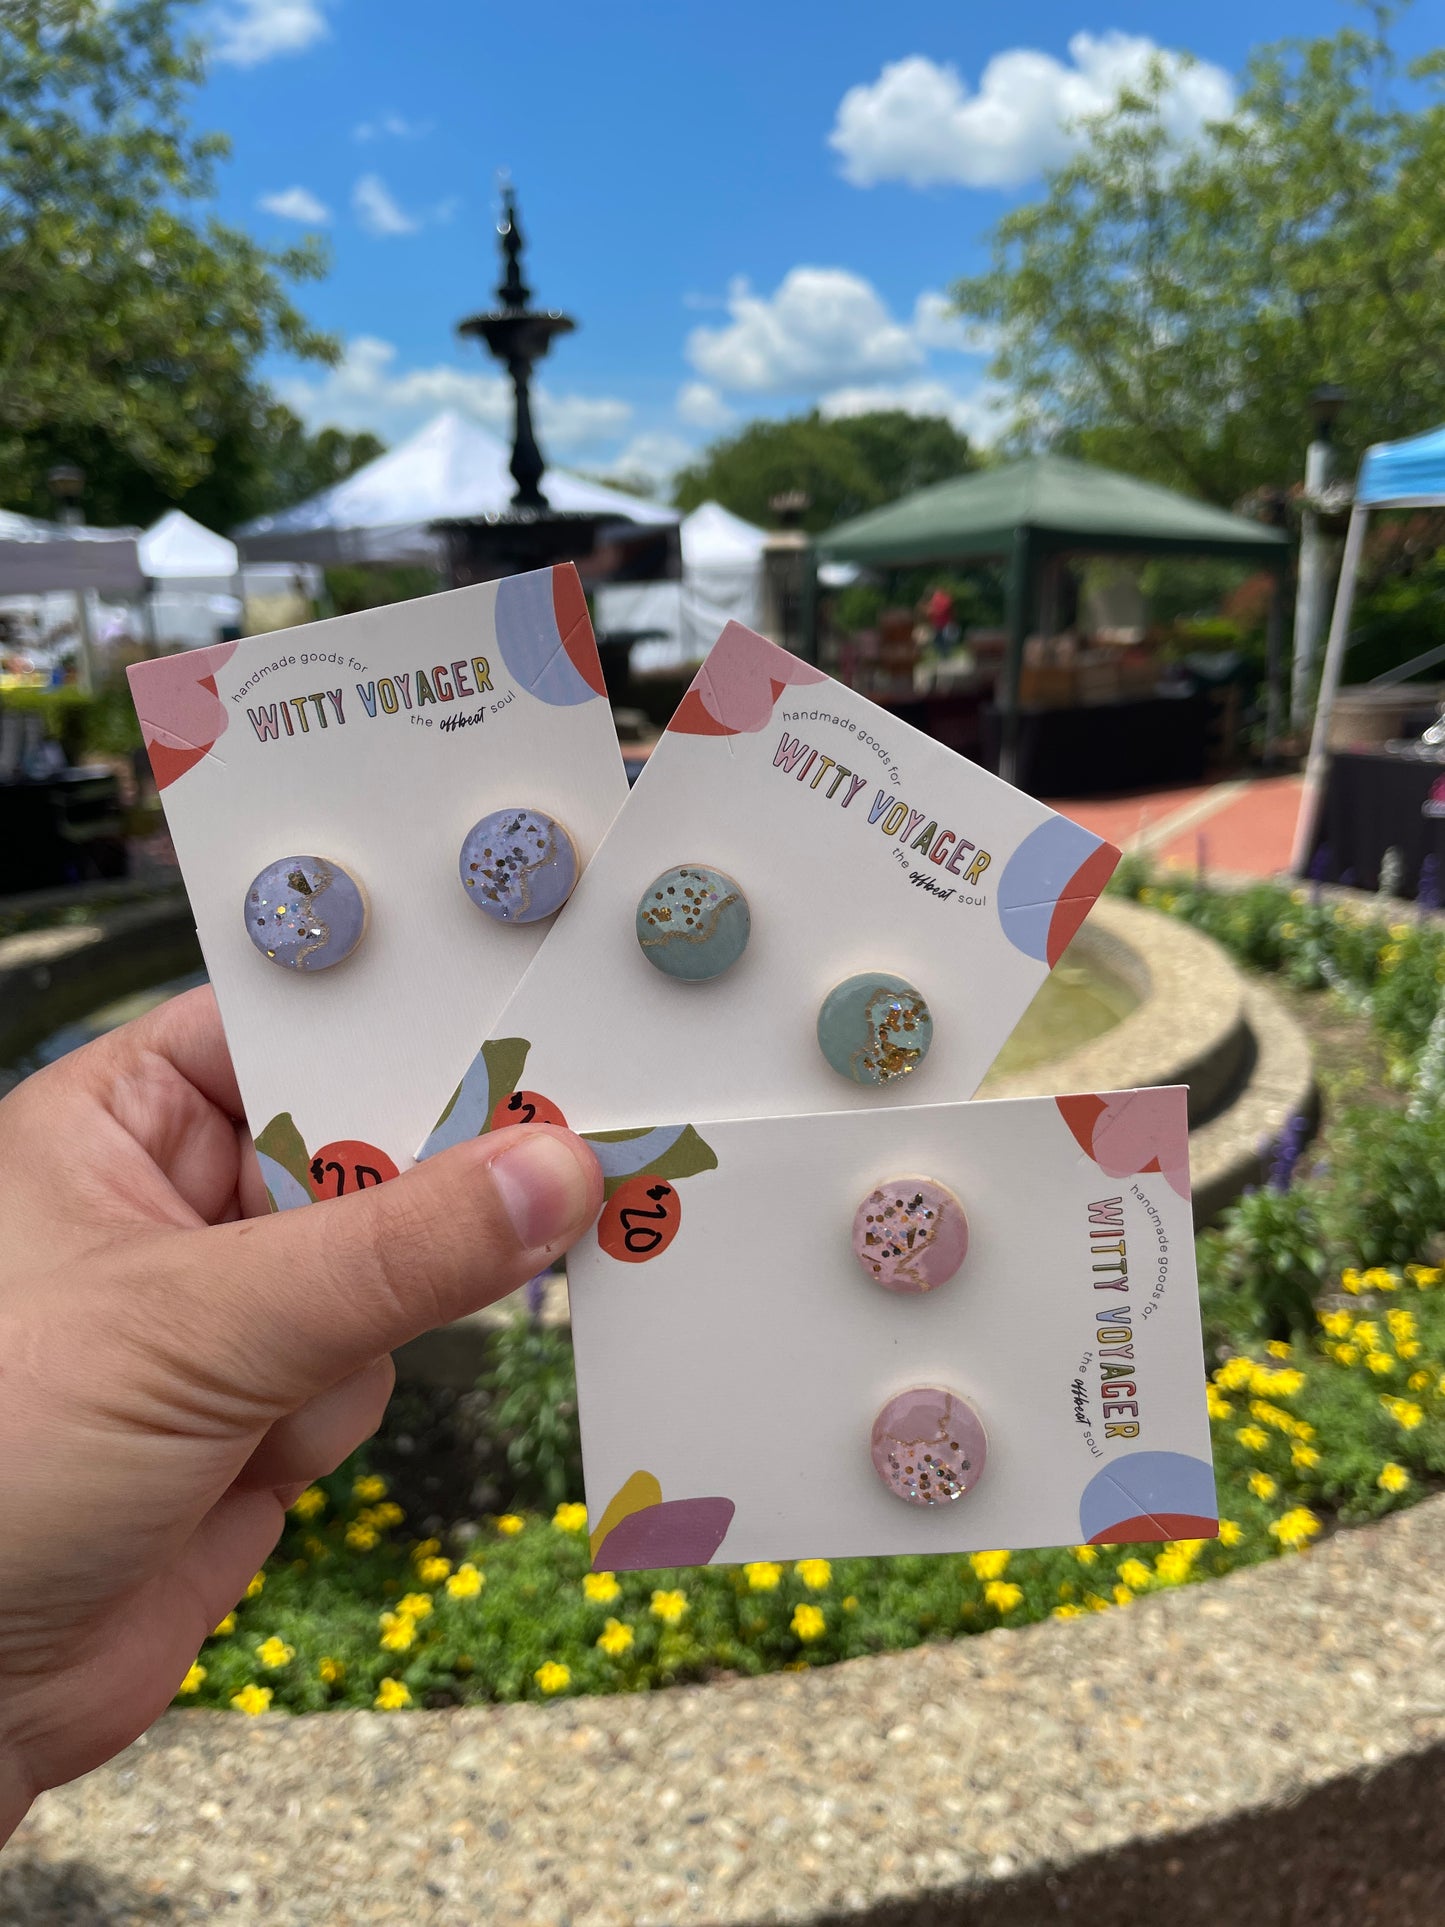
point(1269, 1747)
point(1241, 826)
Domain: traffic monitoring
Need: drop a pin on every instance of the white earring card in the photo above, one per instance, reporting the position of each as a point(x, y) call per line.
point(375, 741)
point(732, 1352)
point(860, 846)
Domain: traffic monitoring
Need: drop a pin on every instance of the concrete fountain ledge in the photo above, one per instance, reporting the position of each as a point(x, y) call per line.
point(1270, 1747)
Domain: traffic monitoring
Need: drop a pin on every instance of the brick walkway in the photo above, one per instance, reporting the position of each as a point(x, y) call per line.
point(1242, 826)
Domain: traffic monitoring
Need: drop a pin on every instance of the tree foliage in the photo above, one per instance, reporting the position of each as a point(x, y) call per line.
point(130, 325)
point(844, 466)
point(1168, 312)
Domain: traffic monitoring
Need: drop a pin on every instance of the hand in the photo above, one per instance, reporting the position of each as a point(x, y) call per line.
point(175, 1369)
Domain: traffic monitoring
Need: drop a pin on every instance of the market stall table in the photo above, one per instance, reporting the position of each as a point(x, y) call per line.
point(1374, 801)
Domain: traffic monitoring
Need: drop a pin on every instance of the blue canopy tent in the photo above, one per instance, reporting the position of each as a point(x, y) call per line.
point(1393, 475)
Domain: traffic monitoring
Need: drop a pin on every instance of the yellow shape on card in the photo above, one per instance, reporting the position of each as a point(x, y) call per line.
point(639, 1492)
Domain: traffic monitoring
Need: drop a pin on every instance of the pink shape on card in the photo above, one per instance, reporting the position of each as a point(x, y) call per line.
point(736, 690)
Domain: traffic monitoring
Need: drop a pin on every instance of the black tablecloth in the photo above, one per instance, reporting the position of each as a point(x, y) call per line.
point(1375, 801)
point(67, 829)
point(1148, 743)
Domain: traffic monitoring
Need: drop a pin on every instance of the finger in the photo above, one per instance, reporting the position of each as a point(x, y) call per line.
point(186, 1031)
point(283, 1307)
point(309, 1443)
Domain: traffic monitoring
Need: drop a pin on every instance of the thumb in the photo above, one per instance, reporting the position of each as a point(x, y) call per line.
point(298, 1300)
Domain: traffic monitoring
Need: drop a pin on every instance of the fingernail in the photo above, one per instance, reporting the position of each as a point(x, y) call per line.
point(545, 1190)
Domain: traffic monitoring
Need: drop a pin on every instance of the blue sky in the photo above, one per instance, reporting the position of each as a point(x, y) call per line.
point(749, 207)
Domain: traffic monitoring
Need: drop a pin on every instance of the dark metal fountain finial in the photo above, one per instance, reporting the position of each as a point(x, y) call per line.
point(519, 335)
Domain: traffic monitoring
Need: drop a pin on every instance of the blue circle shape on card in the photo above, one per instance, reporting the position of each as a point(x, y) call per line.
point(518, 866)
point(875, 1028)
point(693, 923)
point(305, 913)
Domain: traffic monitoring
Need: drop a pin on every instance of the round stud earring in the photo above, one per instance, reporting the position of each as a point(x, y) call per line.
point(305, 912)
point(910, 1235)
point(929, 1446)
point(693, 923)
point(518, 866)
point(875, 1027)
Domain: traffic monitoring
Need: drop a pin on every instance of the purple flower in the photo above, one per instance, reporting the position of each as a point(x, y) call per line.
point(1427, 890)
point(535, 1295)
point(1286, 1153)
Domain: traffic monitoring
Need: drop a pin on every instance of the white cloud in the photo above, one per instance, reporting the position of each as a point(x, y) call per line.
point(366, 389)
point(246, 32)
point(296, 204)
point(392, 127)
point(919, 123)
point(652, 459)
point(701, 406)
point(377, 210)
point(824, 325)
point(980, 413)
point(936, 326)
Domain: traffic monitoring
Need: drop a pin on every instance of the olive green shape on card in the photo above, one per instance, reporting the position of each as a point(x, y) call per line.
point(282, 1141)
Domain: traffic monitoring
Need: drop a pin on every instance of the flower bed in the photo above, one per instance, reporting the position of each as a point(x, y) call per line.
point(1327, 1406)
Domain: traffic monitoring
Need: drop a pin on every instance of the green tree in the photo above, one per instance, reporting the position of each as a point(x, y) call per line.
point(844, 466)
point(1169, 312)
point(129, 326)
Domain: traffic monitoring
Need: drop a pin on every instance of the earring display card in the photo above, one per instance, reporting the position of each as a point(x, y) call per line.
point(375, 741)
point(732, 1355)
point(859, 844)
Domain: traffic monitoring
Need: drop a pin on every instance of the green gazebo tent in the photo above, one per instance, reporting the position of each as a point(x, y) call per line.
point(1031, 511)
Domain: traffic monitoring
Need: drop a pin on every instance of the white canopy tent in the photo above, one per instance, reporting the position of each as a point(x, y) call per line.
point(722, 582)
point(195, 593)
point(1393, 475)
point(37, 557)
point(451, 469)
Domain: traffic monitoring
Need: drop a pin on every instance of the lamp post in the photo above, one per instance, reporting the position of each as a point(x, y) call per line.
point(1325, 404)
point(66, 483)
point(519, 336)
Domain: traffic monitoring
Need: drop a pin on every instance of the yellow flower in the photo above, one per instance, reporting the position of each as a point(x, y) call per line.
point(1401, 1322)
point(1303, 1458)
point(1252, 1438)
point(466, 1582)
point(1236, 1374)
point(306, 1505)
point(600, 1587)
point(1417, 1381)
point(816, 1574)
point(615, 1638)
point(1067, 1612)
point(552, 1677)
point(762, 1575)
point(1296, 1528)
point(669, 1607)
point(1218, 1405)
point(1135, 1573)
point(370, 1487)
point(361, 1538)
point(274, 1653)
point(1094, 1604)
point(510, 1524)
point(1380, 1363)
point(989, 1565)
point(1002, 1596)
point(1283, 1382)
point(1123, 1596)
point(1262, 1485)
point(193, 1679)
point(1338, 1324)
point(1368, 1334)
point(1230, 1534)
point(331, 1671)
point(1405, 1412)
point(808, 1623)
point(398, 1632)
point(391, 1694)
point(381, 1516)
point(1273, 1415)
point(1378, 1279)
point(252, 1700)
point(227, 1625)
point(1409, 1348)
point(1350, 1279)
point(431, 1571)
point(1423, 1276)
point(570, 1518)
point(256, 1585)
point(1277, 1348)
point(1086, 1555)
point(1393, 1478)
point(1172, 1567)
point(425, 1548)
point(1346, 1355)
point(850, 1604)
point(415, 1605)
